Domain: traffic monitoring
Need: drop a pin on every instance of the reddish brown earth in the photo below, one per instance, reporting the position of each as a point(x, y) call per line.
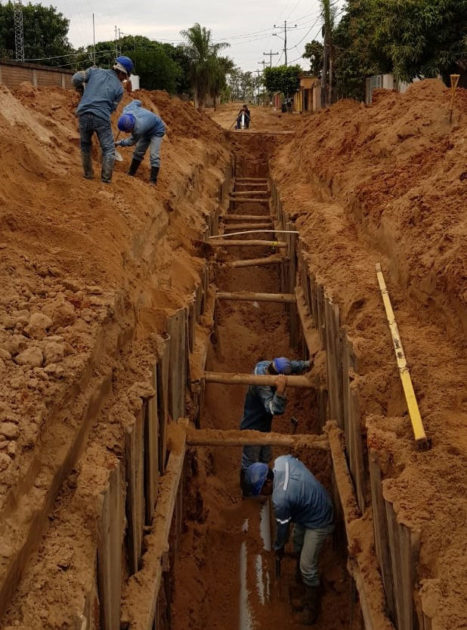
point(89, 272)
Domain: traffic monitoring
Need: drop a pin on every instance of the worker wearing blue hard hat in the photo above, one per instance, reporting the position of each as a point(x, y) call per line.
point(101, 93)
point(262, 403)
point(147, 130)
point(298, 498)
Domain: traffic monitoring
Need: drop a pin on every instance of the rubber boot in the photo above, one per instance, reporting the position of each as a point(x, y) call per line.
point(311, 608)
point(107, 168)
point(133, 167)
point(87, 165)
point(154, 175)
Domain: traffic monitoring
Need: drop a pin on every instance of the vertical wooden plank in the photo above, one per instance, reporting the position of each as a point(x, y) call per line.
point(109, 552)
point(151, 450)
point(173, 328)
point(395, 563)
point(134, 469)
point(163, 401)
point(381, 532)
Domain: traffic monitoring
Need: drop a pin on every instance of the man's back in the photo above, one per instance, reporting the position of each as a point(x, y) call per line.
point(102, 94)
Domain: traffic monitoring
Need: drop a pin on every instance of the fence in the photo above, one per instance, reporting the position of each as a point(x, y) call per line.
point(13, 73)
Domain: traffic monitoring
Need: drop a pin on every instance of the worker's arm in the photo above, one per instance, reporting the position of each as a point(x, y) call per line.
point(117, 98)
point(127, 142)
point(300, 366)
point(274, 402)
point(283, 519)
point(80, 78)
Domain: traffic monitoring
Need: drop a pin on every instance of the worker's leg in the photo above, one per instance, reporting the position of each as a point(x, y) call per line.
point(86, 129)
point(155, 149)
point(265, 454)
point(250, 455)
point(138, 155)
point(313, 540)
point(106, 140)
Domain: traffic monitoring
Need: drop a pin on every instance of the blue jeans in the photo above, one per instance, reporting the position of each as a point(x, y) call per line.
point(308, 543)
point(154, 144)
point(88, 124)
point(253, 454)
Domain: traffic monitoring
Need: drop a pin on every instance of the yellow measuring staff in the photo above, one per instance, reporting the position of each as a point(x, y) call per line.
point(412, 405)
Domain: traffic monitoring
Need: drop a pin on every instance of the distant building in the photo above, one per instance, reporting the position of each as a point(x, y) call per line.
point(308, 96)
point(385, 82)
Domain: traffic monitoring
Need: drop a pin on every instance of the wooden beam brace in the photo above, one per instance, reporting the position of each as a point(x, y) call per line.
point(247, 226)
point(142, 589)
point(256, 297)
point(227, 218)
point(255, 262)
point(251, 179)
point(218, 437)
point(246, 243)
point(244, 193)
point(249, 200)
point(235, 378)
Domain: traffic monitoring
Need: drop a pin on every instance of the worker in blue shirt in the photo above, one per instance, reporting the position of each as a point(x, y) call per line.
point(101, 93)
point(147, 130)
point(262, 403)
point(298, 498)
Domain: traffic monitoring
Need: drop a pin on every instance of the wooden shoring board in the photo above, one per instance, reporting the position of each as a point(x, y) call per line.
point(236, 378)
point(248, 200)
point(380, 528)
point(258, 218)
point(256, 297)
point(109, 551)
point(312, 340)
point(163, 400)
point(176, 327)
point(333, 360)
point(142, 589)
point(254, 262)
point(227, 242)
point(251, 179)
point(134, 473)
point(364, 573)
point(227, 438)
point(151, 449)
point(245, 193)
point(404, 549)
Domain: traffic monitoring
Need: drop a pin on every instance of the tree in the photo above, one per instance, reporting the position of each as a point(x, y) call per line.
point(202, 53)
point(219, 68)
point(45, 35)
point(314, 52)
point(283, 79)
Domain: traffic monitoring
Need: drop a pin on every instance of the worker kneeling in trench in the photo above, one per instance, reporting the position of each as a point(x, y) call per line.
point(298, 498)
point(261, 404)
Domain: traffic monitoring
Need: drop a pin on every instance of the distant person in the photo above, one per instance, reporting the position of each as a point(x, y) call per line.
point(101, 93)
point(262, 403)
point(298, 498)
point(147, 130)
point(245, 113)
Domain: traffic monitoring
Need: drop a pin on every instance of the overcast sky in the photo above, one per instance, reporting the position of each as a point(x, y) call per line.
point(246, 24)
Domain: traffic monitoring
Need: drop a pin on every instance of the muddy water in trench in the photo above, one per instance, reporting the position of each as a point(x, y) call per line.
point(224, 575)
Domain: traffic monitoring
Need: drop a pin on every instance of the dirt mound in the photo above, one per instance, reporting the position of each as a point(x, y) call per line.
point(399, 167)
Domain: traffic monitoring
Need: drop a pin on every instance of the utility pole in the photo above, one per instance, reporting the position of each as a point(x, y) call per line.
point(19, 30)
point(270, 54)
point(116, 40)
point(93, 41)
point(285, 37)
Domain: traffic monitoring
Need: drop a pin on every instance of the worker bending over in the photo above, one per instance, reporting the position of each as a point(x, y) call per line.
point(262, 403)
point(101, 93)
point(298, 498)
point(147, 130)
point(245, 113)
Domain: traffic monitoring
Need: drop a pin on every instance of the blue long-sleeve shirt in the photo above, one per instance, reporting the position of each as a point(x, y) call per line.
point(147, 124)
point(298, 497)
point(103, 92)
point(263, 402)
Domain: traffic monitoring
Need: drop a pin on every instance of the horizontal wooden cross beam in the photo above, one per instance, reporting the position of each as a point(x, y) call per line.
point(235, 378)
point(245, 243)
point(247, 226)
point(227, 218)
point(218, 437)
point(255, 262)
point(256, 297)
point(249, 200)
point(243, 193)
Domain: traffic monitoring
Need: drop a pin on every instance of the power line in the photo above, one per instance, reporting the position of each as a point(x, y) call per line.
point(270, 54)
point(285, 37)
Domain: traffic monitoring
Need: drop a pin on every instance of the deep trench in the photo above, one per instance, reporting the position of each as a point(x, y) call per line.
point(224, 569)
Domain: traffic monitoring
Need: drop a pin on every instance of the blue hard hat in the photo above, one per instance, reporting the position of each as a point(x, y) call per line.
point(126, 122)
point(255, 476)
point(282, 365)
point(125, 63)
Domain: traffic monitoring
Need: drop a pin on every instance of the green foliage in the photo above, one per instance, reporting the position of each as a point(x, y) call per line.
point(314, 52)
point(206, 69)
point(283, 79)
point(45, 34)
